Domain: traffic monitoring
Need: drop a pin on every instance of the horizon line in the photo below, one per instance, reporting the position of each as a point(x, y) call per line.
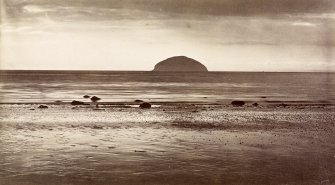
point(98, 70)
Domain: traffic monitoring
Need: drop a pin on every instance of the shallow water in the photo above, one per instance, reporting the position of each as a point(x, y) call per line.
point(49, 86)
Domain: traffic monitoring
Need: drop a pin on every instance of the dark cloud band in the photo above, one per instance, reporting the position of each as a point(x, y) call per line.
point(210, 7)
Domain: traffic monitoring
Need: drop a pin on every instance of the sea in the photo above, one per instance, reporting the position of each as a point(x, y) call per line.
point(20, 86)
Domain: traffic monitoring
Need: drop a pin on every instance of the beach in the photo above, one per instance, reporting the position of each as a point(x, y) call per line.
point(171, 143)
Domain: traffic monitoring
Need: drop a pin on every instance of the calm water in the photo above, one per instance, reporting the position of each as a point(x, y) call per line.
point(115, 86)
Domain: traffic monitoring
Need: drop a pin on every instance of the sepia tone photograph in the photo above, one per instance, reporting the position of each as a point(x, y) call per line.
point(167, 92)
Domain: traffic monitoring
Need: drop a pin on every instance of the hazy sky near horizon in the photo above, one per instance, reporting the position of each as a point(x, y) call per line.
point(224, 35)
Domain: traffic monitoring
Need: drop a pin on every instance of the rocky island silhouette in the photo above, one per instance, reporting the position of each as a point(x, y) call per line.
point(180, 64)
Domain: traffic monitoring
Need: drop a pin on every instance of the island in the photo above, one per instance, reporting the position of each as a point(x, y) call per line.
point(180, 64)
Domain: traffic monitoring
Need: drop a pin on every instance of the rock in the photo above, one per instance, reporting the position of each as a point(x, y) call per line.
point(75, 102)
point(97, 127)
point(31, 109)
point(145, 105)
point(138, 101)
point(95, 98)
point(42, 107)
point(86, 96)
point(282, 105)
point(263, 96)
point(180, 63)
point(238, 103)
point(255, 104)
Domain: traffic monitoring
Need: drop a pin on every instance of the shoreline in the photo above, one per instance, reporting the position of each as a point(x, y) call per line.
point(173, 115)
point(222, 102)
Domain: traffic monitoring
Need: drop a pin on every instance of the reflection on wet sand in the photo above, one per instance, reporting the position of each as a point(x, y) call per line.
point(61, 145)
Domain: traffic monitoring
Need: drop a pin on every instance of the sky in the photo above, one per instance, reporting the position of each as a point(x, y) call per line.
point(224, 35)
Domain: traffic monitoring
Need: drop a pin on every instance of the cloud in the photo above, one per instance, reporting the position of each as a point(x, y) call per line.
point(34, 9)
point(304, 24)
point(223, 22)
point(172, 7)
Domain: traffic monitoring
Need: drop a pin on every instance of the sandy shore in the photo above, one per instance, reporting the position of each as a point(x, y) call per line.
point(171, 143)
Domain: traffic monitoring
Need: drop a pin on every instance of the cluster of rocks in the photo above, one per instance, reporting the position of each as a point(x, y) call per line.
point(239, 103)
point(93, 99)
point(145, 105)
point(142, 105)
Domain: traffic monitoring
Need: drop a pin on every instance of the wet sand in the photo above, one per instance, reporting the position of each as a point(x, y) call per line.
point(171, 143)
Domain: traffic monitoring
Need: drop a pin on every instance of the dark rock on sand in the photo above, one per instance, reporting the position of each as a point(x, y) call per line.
point(86, 96)
point(282, 105)
point(255, 104)
point(75, 102)
point(263, 96)
point(180, 63)
point(97, 127)
point(139, 101)
point(237, 103)
point(145, 105)
point(95, 98)
point(42, 107)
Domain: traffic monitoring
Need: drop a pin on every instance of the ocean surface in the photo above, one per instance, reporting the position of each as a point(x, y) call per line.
point(126, 86)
